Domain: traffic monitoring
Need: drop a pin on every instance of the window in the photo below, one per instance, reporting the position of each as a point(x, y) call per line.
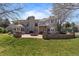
point(27, 25)
point(36, 24)
point(51, 21)
point(22, 29)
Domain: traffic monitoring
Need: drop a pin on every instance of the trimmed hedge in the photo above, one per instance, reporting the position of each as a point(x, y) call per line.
point(58, 36)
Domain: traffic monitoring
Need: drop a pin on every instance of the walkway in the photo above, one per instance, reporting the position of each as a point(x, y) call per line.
point(29, 36)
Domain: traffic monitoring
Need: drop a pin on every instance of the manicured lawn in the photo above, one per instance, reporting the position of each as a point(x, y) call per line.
point(9, 46)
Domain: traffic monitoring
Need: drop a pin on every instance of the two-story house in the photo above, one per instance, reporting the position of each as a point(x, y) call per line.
point(38, 26)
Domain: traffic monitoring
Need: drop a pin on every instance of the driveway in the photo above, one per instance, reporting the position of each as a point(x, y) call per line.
point(29, 36)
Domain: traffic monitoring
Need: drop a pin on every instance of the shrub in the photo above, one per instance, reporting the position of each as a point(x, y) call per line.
point(58, 36)
point(17, 34)
point(3, 30)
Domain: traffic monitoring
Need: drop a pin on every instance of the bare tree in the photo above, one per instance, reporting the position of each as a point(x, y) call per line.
point(62, 11)
point(9, 10)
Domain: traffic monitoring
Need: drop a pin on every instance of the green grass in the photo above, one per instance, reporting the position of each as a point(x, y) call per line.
point(10, 46)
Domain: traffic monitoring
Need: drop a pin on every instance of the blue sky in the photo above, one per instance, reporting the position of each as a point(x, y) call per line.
point(39, 10)
point(75, 16)
point(42, 10)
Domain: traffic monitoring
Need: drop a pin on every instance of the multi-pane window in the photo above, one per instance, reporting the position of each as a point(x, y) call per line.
point(22, 29)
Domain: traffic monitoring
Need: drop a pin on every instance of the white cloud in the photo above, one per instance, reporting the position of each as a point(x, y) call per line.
point(39, 14)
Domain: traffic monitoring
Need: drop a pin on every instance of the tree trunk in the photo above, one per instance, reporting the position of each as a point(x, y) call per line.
point(59, 28)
